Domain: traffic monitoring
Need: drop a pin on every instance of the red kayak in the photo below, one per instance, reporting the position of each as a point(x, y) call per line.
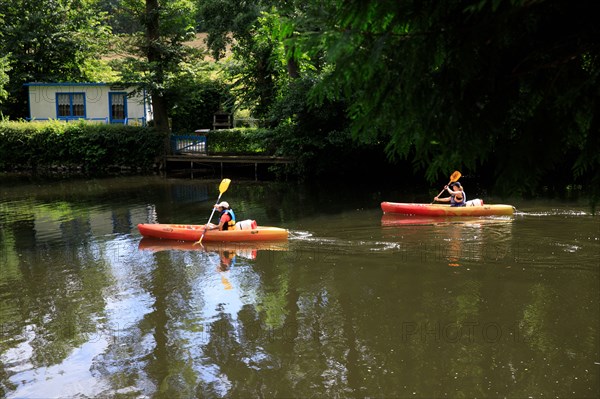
point(193, 232)
point(446, 210)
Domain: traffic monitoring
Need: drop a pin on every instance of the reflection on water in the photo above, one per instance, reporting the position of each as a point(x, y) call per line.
point(227, 252)
point(456, 238)
point(355, 304)
point(247, 250)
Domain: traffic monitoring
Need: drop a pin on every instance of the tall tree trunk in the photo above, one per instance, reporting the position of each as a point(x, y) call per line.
point(292, 65)
point(293, 70)
point(154, 54)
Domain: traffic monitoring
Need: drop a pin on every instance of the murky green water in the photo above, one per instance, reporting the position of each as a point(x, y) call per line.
point(356, 304)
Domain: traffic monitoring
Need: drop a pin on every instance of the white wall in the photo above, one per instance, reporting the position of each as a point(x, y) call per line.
point(42, 100)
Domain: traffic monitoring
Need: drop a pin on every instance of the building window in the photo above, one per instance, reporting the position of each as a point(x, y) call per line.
point(118, 107)
point(70, 105)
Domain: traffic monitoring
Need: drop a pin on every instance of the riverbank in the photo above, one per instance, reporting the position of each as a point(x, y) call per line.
point(87, 149)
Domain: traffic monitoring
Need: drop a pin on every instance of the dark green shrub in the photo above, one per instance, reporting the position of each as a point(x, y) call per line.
point(240, 142)
point(94, 147)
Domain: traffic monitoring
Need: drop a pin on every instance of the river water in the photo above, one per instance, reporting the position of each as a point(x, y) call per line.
point(355, 304)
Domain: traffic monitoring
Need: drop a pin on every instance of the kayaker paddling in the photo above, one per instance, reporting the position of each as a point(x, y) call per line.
point(227, 219)
point(225, 231)
point(457, 195)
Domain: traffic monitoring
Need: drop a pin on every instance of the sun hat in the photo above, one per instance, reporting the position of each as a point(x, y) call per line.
point(223, 204)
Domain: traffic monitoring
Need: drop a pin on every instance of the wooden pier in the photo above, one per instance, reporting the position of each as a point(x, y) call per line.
point(199, 160)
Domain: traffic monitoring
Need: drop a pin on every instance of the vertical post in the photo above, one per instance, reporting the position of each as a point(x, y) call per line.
point(255, 171)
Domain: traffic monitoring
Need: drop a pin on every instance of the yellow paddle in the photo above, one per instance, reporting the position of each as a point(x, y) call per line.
point(222, 188)
point(453, 177)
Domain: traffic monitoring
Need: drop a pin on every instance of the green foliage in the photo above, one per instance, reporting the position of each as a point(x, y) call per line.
point(254, 70)
point(240, 142)
point(156, 54)
point(122, 15)
point(505, 89)
point(94, 147)
point(194, 96)
point(478, 88)
point(319, 137)
point(228, 22)
point(4, 78)
point(150, 61)
point(48, 41)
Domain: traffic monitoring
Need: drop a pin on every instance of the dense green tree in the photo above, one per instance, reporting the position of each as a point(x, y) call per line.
point(262, 65)
point(505, 88)
point(234, 24)
point(48, 40)
point(157, 52)
point(121, 16)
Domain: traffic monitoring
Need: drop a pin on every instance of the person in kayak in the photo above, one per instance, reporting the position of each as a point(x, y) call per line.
point(227, 219)
point(457, 195)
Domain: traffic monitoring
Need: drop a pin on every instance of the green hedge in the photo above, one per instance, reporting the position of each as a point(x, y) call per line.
point(94, 147)
point(240, 142)
point(97, 147)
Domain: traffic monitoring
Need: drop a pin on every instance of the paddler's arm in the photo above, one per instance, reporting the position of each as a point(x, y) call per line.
point(221, 223)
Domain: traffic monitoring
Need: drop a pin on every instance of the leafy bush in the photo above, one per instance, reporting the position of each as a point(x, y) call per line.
point(94, 147)
point(240, 142)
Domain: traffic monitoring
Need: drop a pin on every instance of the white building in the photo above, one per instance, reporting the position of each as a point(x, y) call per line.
point(103, 102)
